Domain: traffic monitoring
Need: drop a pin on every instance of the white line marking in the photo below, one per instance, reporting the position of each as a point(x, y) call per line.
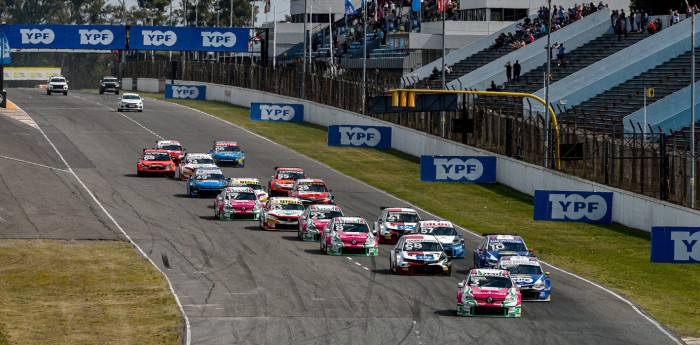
point(124, 116)
point(654, 322)
point(358, 264)
point(365, 268)
point(350, 259)
point(143, 254)
point(32, 163)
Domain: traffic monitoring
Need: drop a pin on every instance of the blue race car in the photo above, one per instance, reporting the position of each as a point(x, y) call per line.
point(227, 153)
point(527, 273)
point(445, 232)
point(494, 246)
point(206, 181)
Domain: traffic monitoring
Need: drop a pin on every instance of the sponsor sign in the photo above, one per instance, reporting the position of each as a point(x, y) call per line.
point(189, 38)
point(572, 206)
point(675, 244)
point(198, 92)
point(277, 112)
point(458, 169)
point(30, 73)
point(378, 137)
point(96, 37)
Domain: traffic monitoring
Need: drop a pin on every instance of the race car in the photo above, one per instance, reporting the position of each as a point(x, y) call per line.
point(314, 219)
point(348, 236)
point(394, 222)
point(489, 292)
point(130, 101)
point(154, 161)
point(311, 191)
point(251, 182)
point(206, 181)
point(237, 202)
point(419, 254)
point(445, 232)
point(282, 182)
point(494, 246)
point(192, 162)
point(527, 273)
point(174, 149)
point(281, 213)
point(227, 153)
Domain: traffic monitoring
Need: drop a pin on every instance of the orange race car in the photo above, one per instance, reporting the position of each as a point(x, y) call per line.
point(155, 161)
point(281, 183)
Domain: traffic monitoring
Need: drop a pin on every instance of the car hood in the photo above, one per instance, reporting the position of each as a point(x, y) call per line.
point(287, 182)
point(498, 254)
point(246, 203)
point(199, 166)
point(131, 101)
point(320, 223)
point(421, 255)
point(227, 154)
point(209, 183)
point(349, 236)
point(157, 163)
point(446, 239)
point(313, 195)
point(286, 213)
point(527, 279)
point(400, 225)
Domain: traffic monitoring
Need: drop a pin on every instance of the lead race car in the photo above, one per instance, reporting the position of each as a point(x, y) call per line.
point(496, 245)
point(281, 213)
point(282, 182)
point(227, 153)
point(311, 191)
point(192, 162)
point(395, 222)
point(348, 236)
point(237, 203)
point(173, 147)
point(251, 182)
point(445, 232)
point(419, 254)
point(155, 161)
point(314, 219)
point(206, 181)
point(527, 273)
point(488, 292)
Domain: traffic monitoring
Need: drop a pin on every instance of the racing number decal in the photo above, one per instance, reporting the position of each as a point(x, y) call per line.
point(426, 230)
point(498, 246)
point(412, 245)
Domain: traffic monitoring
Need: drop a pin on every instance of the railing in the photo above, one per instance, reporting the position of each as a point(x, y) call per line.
point(657, 165)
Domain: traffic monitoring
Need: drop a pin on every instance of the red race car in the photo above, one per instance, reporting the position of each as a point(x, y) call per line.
point(174, 149)
point(155, 161)
point(311, 191)
point(281, 183)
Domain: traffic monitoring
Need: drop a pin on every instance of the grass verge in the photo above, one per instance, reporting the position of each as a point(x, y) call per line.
point(83, 292)
point(613, 255)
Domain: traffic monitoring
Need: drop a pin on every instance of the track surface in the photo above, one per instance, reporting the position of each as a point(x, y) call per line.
point(240, 285)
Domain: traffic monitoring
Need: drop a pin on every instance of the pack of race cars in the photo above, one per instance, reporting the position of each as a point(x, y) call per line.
point(505, 272)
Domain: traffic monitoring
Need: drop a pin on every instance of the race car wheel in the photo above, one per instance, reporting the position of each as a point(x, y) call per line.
point(48, 92)
point(65, 93)
point(299, 233)
point(171, 175)
point(392, 268)
point(119, 110)
point(140, 111)
point(116, 92)
point(189, 193)
point(139, 173)
point(262, 227)
point(323, 250)
point(102, 92)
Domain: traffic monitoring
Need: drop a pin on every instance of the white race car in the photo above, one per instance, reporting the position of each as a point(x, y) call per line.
point(192, 162)
point(130, 101)
point(419, 254)
point(251, 182)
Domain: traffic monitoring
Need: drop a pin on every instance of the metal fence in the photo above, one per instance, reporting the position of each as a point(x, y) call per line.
point(653, 164)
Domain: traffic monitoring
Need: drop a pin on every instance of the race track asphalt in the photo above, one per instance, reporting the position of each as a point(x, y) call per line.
point(241, 285)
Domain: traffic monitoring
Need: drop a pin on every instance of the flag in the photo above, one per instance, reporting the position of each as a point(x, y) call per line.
point(267, 6)
point(349, 7)
point(5, 51)
point(415, 5)
point(442, 5)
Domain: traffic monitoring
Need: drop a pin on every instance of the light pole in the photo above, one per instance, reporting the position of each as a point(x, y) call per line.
point(692, 105)
point(230, 15)
point(546, 83)
point(364, 55)
point(444, 86)
point(217, 8)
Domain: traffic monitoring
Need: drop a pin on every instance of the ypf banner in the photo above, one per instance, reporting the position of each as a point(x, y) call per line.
point(198, 92)
point(570, 206)
point(95, 37)
point(277, 112)
point(458, 169)
point(378, 137)
point(675, 244)
point(188, 38)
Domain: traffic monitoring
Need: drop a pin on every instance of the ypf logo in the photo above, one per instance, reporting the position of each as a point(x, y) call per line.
point(457, 169)
point(217, 39)
point(158, 38)
point(95, 37)
point(185, 92)
point(36, 36)
point(685, 245)
point(276, 112)
point(575, 207)
point(357, 136)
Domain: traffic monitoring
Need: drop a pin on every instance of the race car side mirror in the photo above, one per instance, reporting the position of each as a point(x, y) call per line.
point(546, 273)
point(461, 285)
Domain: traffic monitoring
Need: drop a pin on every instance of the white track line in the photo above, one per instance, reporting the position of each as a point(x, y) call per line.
point(143, 254)
point(651, 320)
point(32, 163)
point(123, 115)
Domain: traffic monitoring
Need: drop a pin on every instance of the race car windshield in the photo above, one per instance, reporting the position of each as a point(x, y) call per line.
point(241, 196)
point(352, 227)
point(423, 246)
point(172, 147)
point(209, 177)
point(490, 282)
point(312, 187)
point(228, 149)
point(156, 156)
point(290, 175)
point(200, 161)
point(132, 97)
point(402, 217)
point(58, 80)
point(288, 207)
point(325, 214)
point(524, 269)
point(439, 231)
point(508, 246)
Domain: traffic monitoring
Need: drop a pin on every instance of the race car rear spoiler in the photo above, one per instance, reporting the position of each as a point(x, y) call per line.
point(288, 167)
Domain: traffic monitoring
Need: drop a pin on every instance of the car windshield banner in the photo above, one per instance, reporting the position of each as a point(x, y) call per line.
point(572, 206)
point(675, 244)
point(277, 112)
point(198, 92)
point(480, 169)
point(95, 37)
point(378, 137)
point(188, 38)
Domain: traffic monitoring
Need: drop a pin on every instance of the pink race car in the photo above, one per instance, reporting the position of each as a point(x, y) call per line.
point(314, 219)
point(489, 292)
point(348, 236)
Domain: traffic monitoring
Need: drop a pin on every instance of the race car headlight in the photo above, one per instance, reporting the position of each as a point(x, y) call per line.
point(467, 297)
point(278, 185)
point(510, 299)
point(370, 242)
point(271, 217)
point(456, 241)
point(443, 257)
point(336, 241)
point(539, 285)
point(311, 226)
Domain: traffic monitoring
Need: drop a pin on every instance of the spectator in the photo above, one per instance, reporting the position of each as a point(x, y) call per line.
point(448, 69)
point(560, 54)
point(676, 18)
point(516, 71)
point(632, 17)
point(638, 20)
point(434, 74)
point(493, 86)
point(509, 71)
point(652, 27)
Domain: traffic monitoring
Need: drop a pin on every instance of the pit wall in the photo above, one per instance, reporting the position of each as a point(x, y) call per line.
point(629, 209)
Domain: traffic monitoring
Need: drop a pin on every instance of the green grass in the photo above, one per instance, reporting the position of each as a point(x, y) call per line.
point(612, 255)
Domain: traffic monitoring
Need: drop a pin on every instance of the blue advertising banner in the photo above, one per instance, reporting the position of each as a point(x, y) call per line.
point(189, 38)
point(198, 92)
point(277, 112)
point(458, 169)
point(378, 137)
point(675, 244)
point(573, 206)
point(99, 37)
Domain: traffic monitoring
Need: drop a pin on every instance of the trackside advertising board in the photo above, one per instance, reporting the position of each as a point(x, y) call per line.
point(188, 38)
point(96, 37)
point(377, 137)
point(675, 244)
point(572, 206)
point(277, 112)
point(198, 92)
point(480, 169)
